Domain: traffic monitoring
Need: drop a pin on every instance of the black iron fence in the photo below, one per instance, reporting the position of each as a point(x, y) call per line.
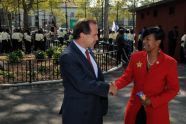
point(46, 69)
point(106, 46)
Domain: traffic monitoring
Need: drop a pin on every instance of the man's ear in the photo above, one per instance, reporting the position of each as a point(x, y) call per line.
point(82, 35)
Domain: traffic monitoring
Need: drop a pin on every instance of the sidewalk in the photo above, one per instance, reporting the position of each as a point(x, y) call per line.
point(40, 104)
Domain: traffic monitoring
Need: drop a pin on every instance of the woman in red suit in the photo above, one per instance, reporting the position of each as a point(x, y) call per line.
point(153, 74)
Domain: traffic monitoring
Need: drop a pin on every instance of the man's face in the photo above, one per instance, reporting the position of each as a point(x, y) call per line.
point(90, 39)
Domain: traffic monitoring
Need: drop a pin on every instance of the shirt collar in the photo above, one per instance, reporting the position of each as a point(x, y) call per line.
point(80, 48)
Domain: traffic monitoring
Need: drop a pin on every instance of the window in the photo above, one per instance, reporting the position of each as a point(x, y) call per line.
point(72, 14)
point(155, 13)
point(36, 17)
point(171, 10)
point(148, 13)
point(142, 15)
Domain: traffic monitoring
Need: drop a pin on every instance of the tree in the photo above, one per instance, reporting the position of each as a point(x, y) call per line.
point(106, 26)
point(138, 3)
point(53, 7)
point(82, 6)
point(96, 12)
point(27, 6)
point(8, 6)
point(118, 11)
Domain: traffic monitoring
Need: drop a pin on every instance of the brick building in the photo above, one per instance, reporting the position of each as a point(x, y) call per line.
point(167, 13)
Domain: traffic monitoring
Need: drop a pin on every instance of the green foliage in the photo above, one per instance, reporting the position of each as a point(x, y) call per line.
point(56, 56)
point(50, 52)
point(20, 53)
point(1, 72)
point(15, 56)
point(57, 72)
point(40, 54)
point(42, 69)
point(6, 74)
point(54, 52)
point(57, 53)
point(33, 74)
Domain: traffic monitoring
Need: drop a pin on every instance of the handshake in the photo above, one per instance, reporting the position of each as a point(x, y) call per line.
point(113, 89)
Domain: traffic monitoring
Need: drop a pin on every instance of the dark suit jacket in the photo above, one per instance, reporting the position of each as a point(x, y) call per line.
point(85, 96)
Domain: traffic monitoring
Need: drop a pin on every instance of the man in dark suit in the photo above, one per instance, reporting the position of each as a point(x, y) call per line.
point(85, 92)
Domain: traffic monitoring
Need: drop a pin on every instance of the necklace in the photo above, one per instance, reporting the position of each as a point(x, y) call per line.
point(149, 63)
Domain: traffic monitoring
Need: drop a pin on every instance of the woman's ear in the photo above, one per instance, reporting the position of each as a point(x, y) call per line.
point(158, 42)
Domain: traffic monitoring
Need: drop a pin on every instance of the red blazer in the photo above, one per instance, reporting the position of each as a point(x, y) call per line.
point(160, 84)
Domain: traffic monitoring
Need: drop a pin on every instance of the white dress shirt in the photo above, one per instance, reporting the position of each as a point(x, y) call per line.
point(95, 67)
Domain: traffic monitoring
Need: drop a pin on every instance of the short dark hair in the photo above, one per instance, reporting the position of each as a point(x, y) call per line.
point(158, 34)
point(82, 26)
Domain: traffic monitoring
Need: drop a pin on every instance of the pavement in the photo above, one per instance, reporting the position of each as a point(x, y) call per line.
point(39, 104)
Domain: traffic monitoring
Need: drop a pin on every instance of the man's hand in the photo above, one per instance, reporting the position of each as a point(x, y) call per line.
point(112, 89)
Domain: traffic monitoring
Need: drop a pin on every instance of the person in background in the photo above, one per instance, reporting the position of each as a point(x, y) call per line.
point(60, 35)
point(161, 45)
point(183, 46)
point(155, 78)
point(1, 30)
point(172, 40)
point(17, 39)
point(131, 41)
point(6, 46)
point(120, 41)
point(40, 40)
point(28, 41)
point(140, 42)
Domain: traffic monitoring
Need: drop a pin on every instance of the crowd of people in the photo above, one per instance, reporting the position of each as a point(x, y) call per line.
point(30, 41)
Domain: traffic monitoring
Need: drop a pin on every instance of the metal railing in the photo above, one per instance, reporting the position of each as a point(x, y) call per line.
point(46, 69)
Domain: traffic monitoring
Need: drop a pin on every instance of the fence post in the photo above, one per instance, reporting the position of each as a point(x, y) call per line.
point(106, 61)
point(30, 69)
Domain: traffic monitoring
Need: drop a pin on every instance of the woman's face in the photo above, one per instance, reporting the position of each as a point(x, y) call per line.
point(150, 43)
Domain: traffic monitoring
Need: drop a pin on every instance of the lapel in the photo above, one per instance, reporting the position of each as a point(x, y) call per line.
point(92, 54)
point(82, 57)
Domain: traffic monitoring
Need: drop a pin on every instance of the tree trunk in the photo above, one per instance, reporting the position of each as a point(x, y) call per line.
point(25, 18)
point(106, 26)
point(26, 9)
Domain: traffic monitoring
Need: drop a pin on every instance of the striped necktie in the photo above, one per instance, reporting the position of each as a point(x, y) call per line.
point(88, 56)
